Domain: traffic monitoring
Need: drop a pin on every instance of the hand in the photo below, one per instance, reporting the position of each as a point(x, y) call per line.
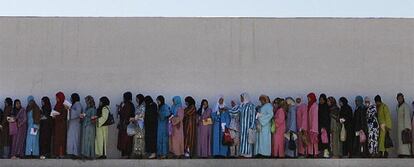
point(383, 126)
point(233, 104)
point(341, 120)
point(131, 119)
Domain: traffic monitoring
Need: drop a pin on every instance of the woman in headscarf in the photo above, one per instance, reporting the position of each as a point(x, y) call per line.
point(278, 139)
point(126, 111)
point(176, 124)
point(150, 125)
point(360, 128)
point(385, 122)
point(89, 128)
point(59, 131)
point(247, 123)
point(302, 126)
point(5, 140)
point(324, 125)
point(221, 121)
point(101, 139)
point(204, 130)
point(335, 128)
point(291, 129)
point(264, 116)
point(373, 127)
point(234, 128)
point(190, 126)
point(19, 136)
point(139, 137)
point(345, 118)
point(74, 127)
point(162, 129)
point(403, 122)
point(33, 123)
point(313, 128)
point(46, 125)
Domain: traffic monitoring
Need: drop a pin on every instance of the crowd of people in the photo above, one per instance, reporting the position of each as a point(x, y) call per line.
point(283, 128)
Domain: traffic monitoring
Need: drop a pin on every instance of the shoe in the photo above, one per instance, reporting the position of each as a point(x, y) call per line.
point(326, 153)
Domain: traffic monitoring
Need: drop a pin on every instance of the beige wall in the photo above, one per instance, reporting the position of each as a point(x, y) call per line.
point(206, 57)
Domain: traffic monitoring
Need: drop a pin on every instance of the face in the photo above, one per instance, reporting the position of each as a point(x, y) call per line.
point(329, 102)
point(298, 100)
point(309, 99)
point(241, 98)
point(205, 104)
point(367, 103)
point(137, 100)
point(57, 99)
point(378, 103)
point(322, 100)
point(400, 99)
point(100, 103)
point(158, 102)
point(341, 104)
point(221, 101)
point(233, 103)
point(262, 100)
point(18, 105)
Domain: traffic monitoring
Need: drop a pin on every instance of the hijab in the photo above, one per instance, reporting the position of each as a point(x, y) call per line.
point(312, 100)
point(177, 105)
point(59, 103)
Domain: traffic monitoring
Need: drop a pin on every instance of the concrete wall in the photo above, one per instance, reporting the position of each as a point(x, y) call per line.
point(206, 57)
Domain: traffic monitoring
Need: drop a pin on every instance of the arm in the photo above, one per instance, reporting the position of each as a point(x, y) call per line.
point(75, 111)
point(266, 115)
point(104, 117)
point(407, 117)
point(252, 116)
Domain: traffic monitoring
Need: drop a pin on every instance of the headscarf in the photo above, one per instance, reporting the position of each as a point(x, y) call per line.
point(177, 105)
point(59, 103)
point(148, 101)
point(312, 97)
point(140, 98)
point(333, 101)
point(127, 96)
point(366, 98)
point(246, 98)
point(8, 101)
point(161, 99)
point(46, 107)
point(90, 102)
point(104, 101)
point(29, 99)
point(74, 98)
point(344, 101)
point(218, 105)
point(32, 106)
point(359, 102)
point(290, 101)
point(377, 98)
point(323, 96)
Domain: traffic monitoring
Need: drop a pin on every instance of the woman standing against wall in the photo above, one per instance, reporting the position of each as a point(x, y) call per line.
point(403, 123)
point(345, 117)
point(5, 140)
point(89, 128)
point(19, 133)
point(263, 120)
point(59, 138)
point(74, 127)
point(384, 119)
point(336, 148)
point(221, 121)
point(302, 125)
point(176, 124)
point(101, 140)
point(204, 130)
point(324, 126)
point(162, 129)
point(278, 139)
point(138, 139)
point(126, 111)
point(190, 127)
point(291, 129)
point(313, 125)
point(33, 123)
point(372, 125)
point(45, 128)
point(360, 128)
point(150, 125)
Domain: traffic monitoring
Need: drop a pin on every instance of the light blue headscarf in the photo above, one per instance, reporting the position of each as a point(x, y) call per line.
point(359, 101)
point(30, 98)
point(177, 105)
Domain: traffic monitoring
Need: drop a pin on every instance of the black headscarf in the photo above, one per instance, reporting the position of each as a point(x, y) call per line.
point(140, 98)
point(127, 96)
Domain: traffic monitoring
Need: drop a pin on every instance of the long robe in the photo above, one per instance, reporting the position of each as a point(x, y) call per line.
point(46, 126)
point(302, 125)
point(346, 113)
point(150, 126)
point(264, 137)
point(373, 130)
point(74, 130)
point(204, 134)
point(126, 112)
point(235, 131)
point(19, 139)
point(4, 132)
point(313, 129)
point(324, 122)
point(162, 131)
point(403, 122)
point(177, 133)
point(278, 139)
point(247, 121)
point(291, 128)
point(190, 129)
point(59, 132)
point(88, 133)
point(336, 145)
point(101, 139)
point(360, 124)
point(384, 117)
point(139, 138)
point(32, 139)
point(219, 118)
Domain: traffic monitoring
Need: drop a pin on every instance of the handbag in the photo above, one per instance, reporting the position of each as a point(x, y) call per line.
point(227, 139)
point(272, 126)
point(131, 129)
point(207, 121)
point(343, 133)
point(388, 141)
point(110, 120)
point(292, 143)
point(406, 136)
point(12, 128)
point(304, 137)
point(362, 137)
point(251, 135)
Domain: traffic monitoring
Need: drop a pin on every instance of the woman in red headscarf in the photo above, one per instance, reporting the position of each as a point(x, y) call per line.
point(312, 147)
point(59, 137)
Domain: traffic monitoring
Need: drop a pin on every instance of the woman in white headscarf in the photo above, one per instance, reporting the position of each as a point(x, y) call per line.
point(373, 131)
point(221, 120)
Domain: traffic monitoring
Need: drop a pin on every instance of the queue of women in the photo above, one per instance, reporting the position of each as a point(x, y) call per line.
point(282, 128)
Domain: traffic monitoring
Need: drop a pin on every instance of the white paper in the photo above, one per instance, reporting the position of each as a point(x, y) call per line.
point(67, 103)
point(54, 113)
point(33, 131)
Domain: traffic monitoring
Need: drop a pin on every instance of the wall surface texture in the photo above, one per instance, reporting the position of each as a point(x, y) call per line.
point(206, 57)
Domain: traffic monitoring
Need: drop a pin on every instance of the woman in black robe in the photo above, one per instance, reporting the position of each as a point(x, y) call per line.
point(360, 126)
point(324, 122)
point(45, 128)
point(345, 117)
point(150, 125)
